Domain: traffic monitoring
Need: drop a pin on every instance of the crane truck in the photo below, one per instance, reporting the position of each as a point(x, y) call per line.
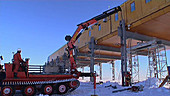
point(32, 83)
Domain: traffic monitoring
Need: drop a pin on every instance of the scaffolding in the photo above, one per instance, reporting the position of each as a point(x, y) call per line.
point(133, 63)
point(157, 62)
point(113, 70)
point(133, 67)
point(157, 59)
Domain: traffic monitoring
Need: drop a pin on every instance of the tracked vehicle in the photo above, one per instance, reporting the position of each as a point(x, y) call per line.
point(31, 83)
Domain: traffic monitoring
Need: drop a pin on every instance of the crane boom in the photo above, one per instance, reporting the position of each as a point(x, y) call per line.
point(77, 33)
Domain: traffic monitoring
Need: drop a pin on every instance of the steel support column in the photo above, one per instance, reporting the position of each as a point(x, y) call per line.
point(113, 70)
point(100, 64)
point(83, 72)
point(122, 32)
point(91, 47)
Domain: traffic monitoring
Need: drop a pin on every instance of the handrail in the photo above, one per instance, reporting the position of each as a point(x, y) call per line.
point(35, 69)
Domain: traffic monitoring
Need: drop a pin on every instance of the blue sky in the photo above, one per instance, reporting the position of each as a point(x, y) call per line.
point(38, 27)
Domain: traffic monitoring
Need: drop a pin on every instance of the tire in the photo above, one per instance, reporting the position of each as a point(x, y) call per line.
point(61, 88)
point(29, 90)
point(74, 84)
point(8, 91)
point(135, 89)
point(47, 89)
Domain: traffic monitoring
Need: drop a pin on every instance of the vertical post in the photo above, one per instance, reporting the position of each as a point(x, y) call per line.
point(91, 47)
point(113, 70)
point(100, 64)
point(83, 72)
point(130, 65)
point(138, 67)
point(94, 78)
point(122, 32)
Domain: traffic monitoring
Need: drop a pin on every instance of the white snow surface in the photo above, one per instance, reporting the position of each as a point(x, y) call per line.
point(150, 89)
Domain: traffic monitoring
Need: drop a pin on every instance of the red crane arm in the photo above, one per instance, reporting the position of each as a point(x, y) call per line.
point(77, 33)
point(73, 40)
point(82, 26)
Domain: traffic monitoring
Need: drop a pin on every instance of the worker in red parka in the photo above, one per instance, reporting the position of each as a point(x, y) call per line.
point(17, 61)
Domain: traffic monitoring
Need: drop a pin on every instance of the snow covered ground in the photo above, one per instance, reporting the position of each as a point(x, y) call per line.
point(150, 89)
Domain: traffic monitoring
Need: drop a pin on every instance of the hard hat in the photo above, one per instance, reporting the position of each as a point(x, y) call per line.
point(19, 49)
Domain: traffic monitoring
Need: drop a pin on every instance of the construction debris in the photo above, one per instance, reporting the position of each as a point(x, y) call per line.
point(132, 88)
point(167, 78)
point(114, 87)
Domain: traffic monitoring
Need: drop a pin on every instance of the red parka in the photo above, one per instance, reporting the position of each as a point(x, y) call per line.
point(17, 58)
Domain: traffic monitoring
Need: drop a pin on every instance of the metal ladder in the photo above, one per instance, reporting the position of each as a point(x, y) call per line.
point(133, 66)
point(157, 62)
